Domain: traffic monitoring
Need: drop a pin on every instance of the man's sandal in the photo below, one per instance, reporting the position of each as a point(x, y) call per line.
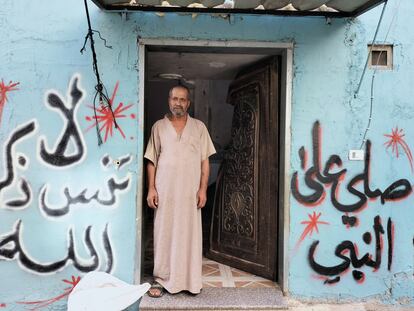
point(156, 291)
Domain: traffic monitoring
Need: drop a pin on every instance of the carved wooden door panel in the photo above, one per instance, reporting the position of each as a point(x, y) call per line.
point(244, 225)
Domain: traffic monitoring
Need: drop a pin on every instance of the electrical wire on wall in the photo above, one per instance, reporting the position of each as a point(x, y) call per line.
point(364, 138)
point(100, 91)
point(373, 77)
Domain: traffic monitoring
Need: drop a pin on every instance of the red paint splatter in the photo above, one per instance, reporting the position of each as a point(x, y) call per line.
point(133, 116)
point(311, 224)
point(396, 139)
point(44, 303)
point(105, 119)
point(345, 251)
point(4, 89)
point(3, 305)
point(319, 277)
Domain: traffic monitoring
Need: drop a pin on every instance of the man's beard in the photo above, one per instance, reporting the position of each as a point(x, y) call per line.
point(178, 112)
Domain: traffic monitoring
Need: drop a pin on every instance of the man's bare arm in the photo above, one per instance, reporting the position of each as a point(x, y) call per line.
point(202, 191)
point(152, 198)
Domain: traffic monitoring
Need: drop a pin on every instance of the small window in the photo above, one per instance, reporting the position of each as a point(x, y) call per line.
point(380, 56)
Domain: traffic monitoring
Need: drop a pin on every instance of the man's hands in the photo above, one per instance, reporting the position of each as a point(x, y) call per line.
point(202, 190)
point(201, 198)
point(152, 198)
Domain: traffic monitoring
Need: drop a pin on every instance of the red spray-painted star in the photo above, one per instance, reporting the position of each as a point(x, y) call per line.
point(4, 89)
point(105, 119)
point(396, 139)
point(311, 224)
point(39, 304)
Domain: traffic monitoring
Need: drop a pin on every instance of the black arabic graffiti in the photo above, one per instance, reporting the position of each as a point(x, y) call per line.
point(122, 161)
point(58, 157)
point(105, 160)
point(317, 180)
point(10, 174)
point(81, 198)
point(347, 251)
point(24, 186)
point(350, 221)
point(16, 252)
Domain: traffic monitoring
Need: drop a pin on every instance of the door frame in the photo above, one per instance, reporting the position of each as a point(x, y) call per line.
point(285, 49)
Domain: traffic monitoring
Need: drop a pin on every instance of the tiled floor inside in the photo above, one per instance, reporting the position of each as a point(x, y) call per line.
point(218, 275)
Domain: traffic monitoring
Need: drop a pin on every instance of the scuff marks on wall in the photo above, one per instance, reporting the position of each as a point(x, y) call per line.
point(39, 304)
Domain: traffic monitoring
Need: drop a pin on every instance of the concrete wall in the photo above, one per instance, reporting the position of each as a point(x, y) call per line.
point(49, 194)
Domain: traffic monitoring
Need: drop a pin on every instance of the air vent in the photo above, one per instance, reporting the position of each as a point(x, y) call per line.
point(380, 56)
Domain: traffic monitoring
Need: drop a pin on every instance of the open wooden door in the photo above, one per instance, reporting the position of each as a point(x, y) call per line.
point(244, 225)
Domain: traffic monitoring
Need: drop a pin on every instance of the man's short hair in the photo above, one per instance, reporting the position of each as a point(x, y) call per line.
point(180, 87)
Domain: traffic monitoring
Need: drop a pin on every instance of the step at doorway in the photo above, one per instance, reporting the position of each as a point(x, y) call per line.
point(224, 288)
point(246, 299)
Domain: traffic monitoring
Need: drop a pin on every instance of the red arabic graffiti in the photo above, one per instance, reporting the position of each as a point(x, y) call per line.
point(4, 89)
point(44, 303)
point(105, 119)
point(396, 139)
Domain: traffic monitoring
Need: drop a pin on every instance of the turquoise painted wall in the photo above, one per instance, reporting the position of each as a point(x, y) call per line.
point(40, 50)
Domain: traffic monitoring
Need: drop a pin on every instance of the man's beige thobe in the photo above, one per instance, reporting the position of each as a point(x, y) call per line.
point(177, 222)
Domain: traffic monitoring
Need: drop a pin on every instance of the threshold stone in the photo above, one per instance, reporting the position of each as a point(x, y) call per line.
point(224, 299)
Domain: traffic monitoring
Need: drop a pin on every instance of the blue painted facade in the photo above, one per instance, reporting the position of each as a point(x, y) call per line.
point(45, 204)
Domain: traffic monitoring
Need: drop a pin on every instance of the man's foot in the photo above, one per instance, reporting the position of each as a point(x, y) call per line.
point(156, 291)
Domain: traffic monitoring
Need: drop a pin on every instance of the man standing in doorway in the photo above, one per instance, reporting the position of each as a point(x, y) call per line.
point(178, 170)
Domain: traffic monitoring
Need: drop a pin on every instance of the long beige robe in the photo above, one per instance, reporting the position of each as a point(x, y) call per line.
point(177, 222)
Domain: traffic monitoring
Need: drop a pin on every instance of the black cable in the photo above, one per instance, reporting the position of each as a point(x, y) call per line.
point(103, 39)
point(100, 90)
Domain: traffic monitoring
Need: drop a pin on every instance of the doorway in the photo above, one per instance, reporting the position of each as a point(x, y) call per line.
point(213, 72)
